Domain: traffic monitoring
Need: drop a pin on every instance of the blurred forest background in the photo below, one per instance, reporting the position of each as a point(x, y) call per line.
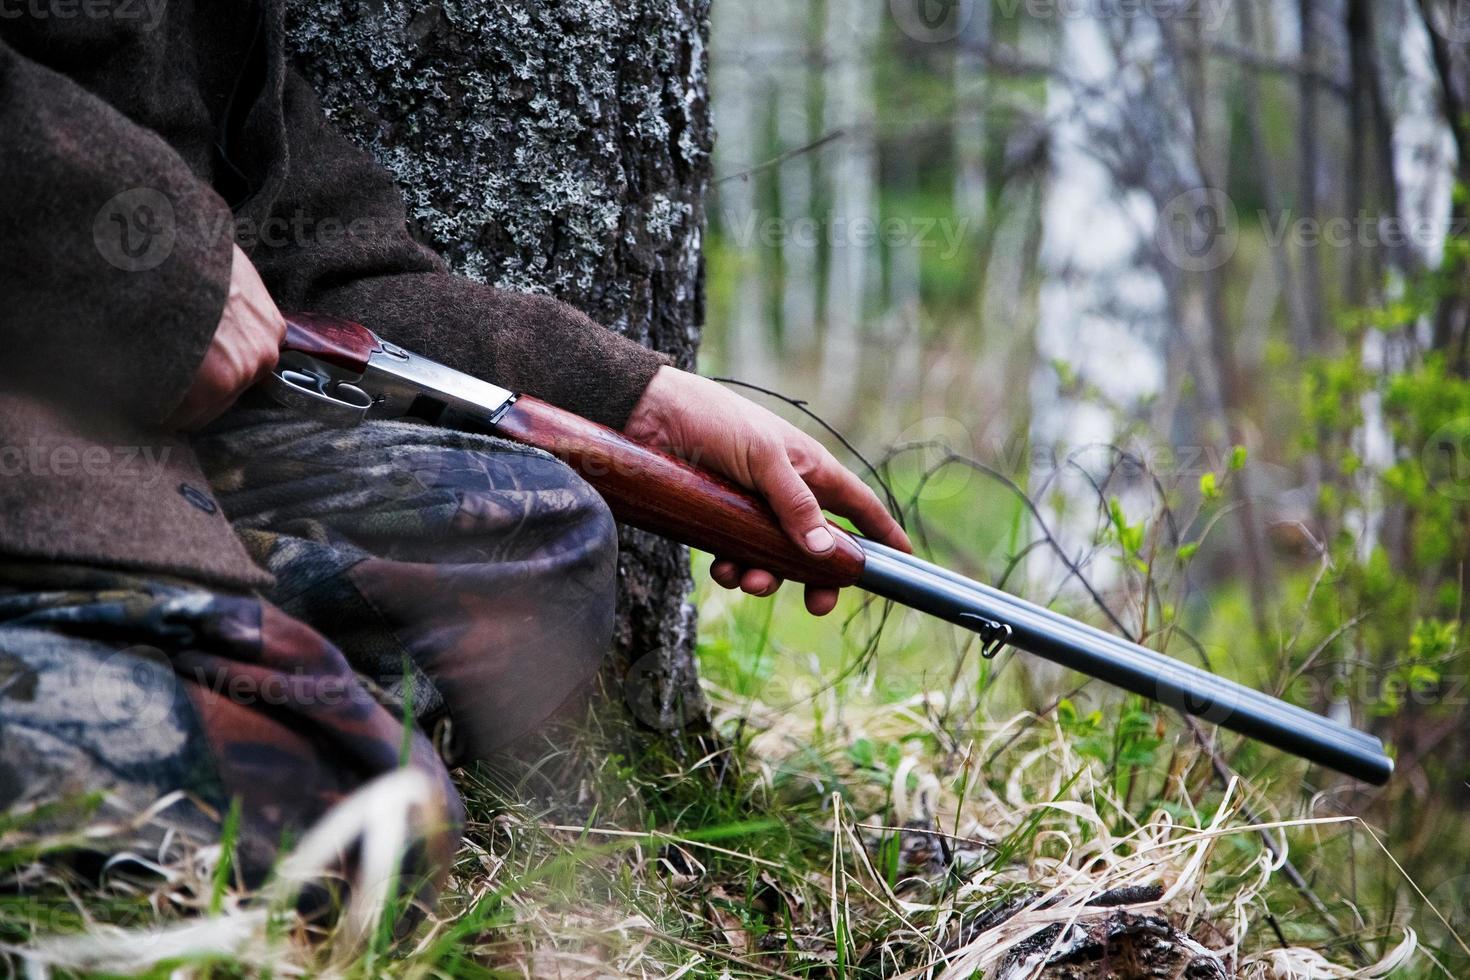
point(1154, 311)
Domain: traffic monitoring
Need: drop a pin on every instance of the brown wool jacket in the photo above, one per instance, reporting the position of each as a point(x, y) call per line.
point(137, 142)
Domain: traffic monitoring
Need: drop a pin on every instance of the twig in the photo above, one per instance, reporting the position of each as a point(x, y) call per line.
point(1243, 54)
point(653, 837)
point(802, 406)
point(1225, 774)
point(776, 161)
point(885, 828)
point(1005, 481)
point(1453, 111)
point(1318, 651)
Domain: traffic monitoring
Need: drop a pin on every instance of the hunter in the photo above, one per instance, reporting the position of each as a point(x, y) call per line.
point(202, 593)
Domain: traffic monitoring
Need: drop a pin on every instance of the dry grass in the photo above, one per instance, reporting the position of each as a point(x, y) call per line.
point(858, 816)
point(989, 858)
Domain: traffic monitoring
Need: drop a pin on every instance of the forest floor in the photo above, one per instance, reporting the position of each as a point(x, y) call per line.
point(849, 819)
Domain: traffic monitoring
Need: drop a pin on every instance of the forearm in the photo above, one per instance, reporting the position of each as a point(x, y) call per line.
point(373, 271)
point(530, 344)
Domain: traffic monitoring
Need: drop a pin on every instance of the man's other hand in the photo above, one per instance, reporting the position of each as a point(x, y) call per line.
point(245, 348)
point(700, 421)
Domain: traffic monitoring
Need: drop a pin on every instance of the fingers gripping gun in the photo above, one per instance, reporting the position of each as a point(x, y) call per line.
point(341, 373)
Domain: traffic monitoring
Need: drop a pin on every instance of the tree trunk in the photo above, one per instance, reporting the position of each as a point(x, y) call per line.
point(743, 80)
point(1307, 163)
point(847, 104)
point(559, 148)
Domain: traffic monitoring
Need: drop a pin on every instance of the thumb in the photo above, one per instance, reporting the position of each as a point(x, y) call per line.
point(795, 506)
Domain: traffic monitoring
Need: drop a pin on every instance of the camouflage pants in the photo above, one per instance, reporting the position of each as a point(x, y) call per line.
point(455, 580)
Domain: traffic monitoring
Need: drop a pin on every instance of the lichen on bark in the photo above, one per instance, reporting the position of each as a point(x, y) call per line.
point(554, 147)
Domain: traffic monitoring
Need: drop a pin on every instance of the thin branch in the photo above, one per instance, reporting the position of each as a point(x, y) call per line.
point(776, 161)
point(801, 405)
point(1439, 50)
point(1244, 54)
point(1009, 484)
point(1225, 774)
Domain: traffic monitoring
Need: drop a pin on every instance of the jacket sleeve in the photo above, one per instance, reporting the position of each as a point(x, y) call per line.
point(349, 254)
point(116, 257)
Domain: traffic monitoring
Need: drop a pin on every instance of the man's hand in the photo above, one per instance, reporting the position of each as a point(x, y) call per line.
point(245, 348)
point(698, 420)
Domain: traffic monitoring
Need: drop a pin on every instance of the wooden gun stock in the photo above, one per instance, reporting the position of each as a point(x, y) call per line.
point(341, 343)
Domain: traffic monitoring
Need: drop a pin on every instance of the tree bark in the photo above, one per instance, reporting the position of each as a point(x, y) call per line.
point(559, 148)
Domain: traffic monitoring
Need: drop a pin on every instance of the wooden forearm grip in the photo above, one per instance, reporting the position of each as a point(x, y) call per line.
point(658, 493)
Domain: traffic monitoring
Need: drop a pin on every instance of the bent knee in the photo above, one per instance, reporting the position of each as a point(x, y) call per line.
point(588, 528)
point(577, 504)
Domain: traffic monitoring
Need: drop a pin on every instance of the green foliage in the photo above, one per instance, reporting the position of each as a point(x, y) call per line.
point(1209, 487)
point(1384, 626)
point(1412, 574)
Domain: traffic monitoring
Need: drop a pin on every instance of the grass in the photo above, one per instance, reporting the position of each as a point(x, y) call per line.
point(879, 800)
point(864, 817)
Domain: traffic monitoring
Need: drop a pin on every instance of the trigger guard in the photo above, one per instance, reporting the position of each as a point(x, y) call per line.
point(333, 403)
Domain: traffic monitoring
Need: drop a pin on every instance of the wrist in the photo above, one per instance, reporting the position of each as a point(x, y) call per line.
point(648, 422)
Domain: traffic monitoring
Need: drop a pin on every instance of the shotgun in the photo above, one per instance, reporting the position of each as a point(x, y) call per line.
point(341, 373)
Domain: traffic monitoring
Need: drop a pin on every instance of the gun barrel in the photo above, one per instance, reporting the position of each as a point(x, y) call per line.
point(1052, 636)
